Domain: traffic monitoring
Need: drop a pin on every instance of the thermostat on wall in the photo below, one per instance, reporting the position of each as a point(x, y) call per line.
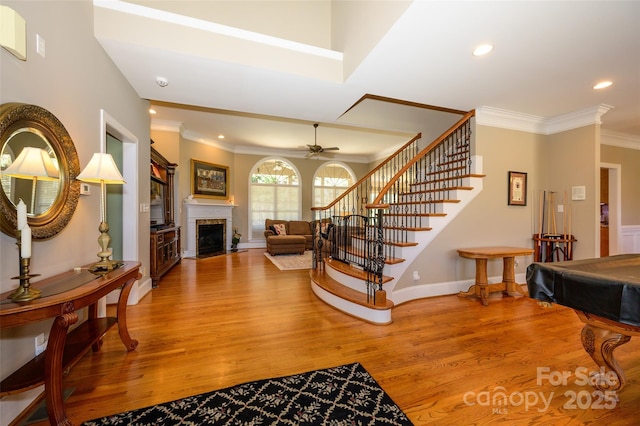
point(85, 189)
point(578, 193)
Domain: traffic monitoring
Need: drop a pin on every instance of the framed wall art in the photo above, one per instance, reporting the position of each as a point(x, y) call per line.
point(517, 189)
point(209, 180)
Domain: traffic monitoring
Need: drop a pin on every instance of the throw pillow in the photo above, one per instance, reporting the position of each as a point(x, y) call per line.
point(273, 229)
point(280, 228)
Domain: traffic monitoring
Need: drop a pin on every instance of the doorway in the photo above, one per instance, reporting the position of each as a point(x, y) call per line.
point(126, 142)
point(604, 212)
point(114, 200)
point(610, 209)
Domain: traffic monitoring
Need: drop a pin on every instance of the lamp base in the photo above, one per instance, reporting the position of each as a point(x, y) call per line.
point(105, 266)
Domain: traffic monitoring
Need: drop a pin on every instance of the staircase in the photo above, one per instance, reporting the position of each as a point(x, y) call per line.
point(365, 239)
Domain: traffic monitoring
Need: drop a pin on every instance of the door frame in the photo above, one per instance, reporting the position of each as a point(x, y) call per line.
point(615, 207)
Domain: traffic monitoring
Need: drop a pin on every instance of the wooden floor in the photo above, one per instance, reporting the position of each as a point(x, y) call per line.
point(229, 319)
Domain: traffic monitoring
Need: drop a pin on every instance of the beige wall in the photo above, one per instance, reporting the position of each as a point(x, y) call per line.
point(572, 158)
point(629, 161)
point(488, 220)
point(74, 81)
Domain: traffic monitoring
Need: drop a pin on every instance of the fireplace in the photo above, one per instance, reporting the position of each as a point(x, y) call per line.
point(211, 237)
point(205, 213)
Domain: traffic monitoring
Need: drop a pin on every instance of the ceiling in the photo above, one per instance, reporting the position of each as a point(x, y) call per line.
point(269, 72)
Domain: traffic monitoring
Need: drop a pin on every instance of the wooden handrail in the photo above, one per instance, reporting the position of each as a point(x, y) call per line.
point(421, 154)
point(368, 175)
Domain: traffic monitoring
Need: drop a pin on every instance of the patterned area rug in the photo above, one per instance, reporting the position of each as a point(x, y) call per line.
point(288, 262)
point(344, 395)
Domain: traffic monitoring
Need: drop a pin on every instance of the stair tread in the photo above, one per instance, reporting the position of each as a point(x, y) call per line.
point(387, 241)
point(451, 188)
point(387, 260)
point(449, 178)
point(401, 244)
point(416, 214)
point(447, 170)
point(351, 271)
point(406, 228)
point(403, 203)
point(344, 292)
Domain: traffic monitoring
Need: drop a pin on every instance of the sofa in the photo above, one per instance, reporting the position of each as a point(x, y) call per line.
point(287, 236)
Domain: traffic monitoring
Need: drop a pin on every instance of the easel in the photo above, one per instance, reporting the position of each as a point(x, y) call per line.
point(551, 244)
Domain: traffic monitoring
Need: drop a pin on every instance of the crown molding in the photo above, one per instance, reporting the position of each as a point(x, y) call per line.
point(576, 119)
point(496, 117)
point(166, 125)
point(620, 140)
point(502, 118)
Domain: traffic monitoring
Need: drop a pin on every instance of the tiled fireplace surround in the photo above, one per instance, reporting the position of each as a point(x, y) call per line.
point(202, 211)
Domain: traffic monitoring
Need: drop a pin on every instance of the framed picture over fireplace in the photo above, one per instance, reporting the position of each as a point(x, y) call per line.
point(209, 180)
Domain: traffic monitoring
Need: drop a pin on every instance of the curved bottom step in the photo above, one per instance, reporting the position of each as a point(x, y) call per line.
point(375, 315)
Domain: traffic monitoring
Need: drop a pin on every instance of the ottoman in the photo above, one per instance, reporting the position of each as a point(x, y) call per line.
point(286, 244)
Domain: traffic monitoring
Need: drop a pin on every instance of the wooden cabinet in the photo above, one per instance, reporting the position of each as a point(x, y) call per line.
point(165, 236)
point(165, 251)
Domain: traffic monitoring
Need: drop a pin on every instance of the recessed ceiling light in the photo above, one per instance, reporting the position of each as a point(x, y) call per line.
point(152, 111)
point(483, 49)
point(603, 85)
point(220, 136)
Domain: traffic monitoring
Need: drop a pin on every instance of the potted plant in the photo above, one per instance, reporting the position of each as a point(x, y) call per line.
point(235, 240)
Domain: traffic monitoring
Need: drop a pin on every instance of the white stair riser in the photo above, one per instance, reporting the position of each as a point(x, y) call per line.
point(376, 316)
point(346, 280)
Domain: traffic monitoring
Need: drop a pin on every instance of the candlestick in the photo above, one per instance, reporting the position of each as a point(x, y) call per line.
point(25, 292)
point(22, 214)
point(25, 242)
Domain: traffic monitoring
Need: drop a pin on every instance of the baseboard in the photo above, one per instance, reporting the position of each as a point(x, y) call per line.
point(138, 291)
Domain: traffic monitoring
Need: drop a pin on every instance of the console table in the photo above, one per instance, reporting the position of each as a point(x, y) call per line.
point(482, 288)
point(62, 296)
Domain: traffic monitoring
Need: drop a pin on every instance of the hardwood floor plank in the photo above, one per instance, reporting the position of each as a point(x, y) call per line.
point(218, 322)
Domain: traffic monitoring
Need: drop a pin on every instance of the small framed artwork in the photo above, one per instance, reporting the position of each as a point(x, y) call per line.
point(517, 189)
point(209, 180)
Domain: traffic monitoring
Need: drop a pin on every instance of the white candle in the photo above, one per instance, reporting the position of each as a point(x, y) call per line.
point(25, 242)
point(22, 214)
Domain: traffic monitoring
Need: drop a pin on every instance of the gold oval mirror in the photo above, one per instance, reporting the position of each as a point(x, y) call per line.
point(51, 197)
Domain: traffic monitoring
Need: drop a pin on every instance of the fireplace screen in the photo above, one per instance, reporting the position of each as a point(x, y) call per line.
point(211, 237)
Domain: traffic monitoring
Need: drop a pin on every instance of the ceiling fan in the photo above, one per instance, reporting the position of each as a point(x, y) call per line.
point(316, 149)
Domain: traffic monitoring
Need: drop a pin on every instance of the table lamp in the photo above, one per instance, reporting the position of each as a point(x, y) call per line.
point(35, 164)
point(103, 170)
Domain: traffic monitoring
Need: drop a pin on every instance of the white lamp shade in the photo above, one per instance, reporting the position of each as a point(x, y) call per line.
point(101, 168)
point(32, 162)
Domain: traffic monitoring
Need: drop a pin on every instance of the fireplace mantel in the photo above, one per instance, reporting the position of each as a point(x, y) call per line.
point(195, 211)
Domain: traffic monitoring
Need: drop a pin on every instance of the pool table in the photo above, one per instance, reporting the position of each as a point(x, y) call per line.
point(605, 294)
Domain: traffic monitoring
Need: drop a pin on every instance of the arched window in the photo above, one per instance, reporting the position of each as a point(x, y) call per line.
point(274, 193)
point(330, 181)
